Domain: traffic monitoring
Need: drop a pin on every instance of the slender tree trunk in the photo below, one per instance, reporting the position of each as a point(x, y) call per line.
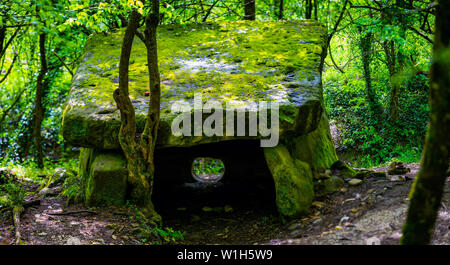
point(139, 151)
point(38, 106)
point(316, 17)
point(426, 192)
point(308, 9)
point(249, 9)
point(279, 9)
point(365, 46)
point(392, 59)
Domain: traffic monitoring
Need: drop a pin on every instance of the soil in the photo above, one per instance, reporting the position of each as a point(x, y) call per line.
point(371, 213)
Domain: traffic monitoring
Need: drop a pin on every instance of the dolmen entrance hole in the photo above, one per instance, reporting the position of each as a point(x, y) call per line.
point(247, 182)
point(227, 62)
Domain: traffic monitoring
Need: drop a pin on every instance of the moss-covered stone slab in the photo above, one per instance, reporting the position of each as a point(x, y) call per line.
point(227, 61)
point(316, 148)
point(293, 182)
point(106, 179)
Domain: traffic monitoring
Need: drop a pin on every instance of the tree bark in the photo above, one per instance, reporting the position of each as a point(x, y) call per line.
point(139, 151)
point(365, 46)
point(279, 9)
point(426, 192)
point(38, 106)
point(249, 9)
point(316, 17)
point(308, 9)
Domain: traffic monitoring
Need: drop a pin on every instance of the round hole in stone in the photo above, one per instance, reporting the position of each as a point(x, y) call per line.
point(207, 169)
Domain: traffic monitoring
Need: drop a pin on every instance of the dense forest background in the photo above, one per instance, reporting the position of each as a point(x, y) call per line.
point(375, 77)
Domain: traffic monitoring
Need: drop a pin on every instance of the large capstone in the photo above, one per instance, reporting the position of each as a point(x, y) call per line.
point(227, 62)
point(230, 62)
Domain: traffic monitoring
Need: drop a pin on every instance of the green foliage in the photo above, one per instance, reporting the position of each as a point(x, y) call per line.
point(68, 23)
point(208, 166)
point(14, 193)
point(73, 189)
point(148, 233)
point(375, 139)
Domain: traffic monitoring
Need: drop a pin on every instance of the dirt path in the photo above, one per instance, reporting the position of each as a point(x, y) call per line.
point(369, 213)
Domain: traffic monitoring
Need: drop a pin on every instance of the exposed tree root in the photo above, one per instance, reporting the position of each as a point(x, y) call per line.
point(73, 212)
point(17, 210)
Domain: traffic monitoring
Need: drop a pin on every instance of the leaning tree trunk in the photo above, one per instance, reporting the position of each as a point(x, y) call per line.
point(426, 192)
point(249, 9)
point(38, 106)
point(139, 152)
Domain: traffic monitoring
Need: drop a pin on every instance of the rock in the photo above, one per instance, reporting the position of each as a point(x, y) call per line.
point(59, 176)
point(317, 221)
point(44, 192)
point(90, 118)
point(73, 241)
point(292, 226)
point(328, 186)
point(378, 174)
point(293, 182)
point(343, 170)
point(397, 168)
point(344, 219)
point(49, 191)
point(316, 148)
point(373, 241)
point(396, 178)
point(228, 208)
point(106, 183)
point(363, 174)
point(355, 182)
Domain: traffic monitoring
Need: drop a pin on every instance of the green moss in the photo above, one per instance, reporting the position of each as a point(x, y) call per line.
point(293, 182)
point(107, 180)
point(316, 148)
point(345, 170)
point(225, 61)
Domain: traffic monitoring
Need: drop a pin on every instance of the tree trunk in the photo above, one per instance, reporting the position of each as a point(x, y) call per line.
point(316, 17)
point(308, 9)
point(392, 59)
point(426, 192)
point(249, 9)
point(38, 106)
point(279, 9)
point(139, 152)
point(365, 46)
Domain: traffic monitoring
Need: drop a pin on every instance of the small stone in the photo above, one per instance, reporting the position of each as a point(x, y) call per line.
point(44, 192)
point(292, 226)
point(207, 209)
point(344, 219)
point(228, 208)
point(317, 221)
point(396, 178)
point(373, 241)
point(73, 241)
point(355, 182)
point(397, 168)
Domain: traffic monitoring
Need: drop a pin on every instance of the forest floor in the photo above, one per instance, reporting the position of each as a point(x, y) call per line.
point(371, 213)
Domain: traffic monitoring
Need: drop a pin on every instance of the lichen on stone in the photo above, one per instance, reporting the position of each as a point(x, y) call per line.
point(225, 61)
